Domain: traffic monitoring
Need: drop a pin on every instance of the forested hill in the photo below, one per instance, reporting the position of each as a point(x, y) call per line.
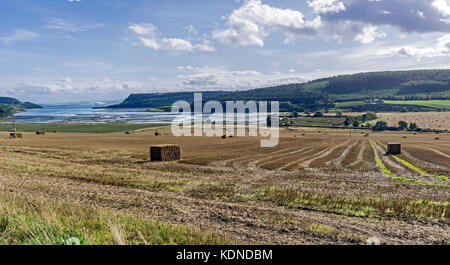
point(417, 84)
point(324, 93)
point(162, 100)
point(6, 106)
point(19, 104)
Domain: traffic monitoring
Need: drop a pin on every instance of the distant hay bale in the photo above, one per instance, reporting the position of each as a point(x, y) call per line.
point(224, 137)
point(405, 137)
point(40, 132)
point(394, 149)
point(165, 153)
point(156, 133)
point(16, 135)
point(437, 138)
point(127, 132)
point(366, 135)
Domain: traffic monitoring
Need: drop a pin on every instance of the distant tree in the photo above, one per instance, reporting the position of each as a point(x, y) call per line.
point(380, 126)
point(356, 123)
point(295, 114)
point(338, 114)
point(402, 125)
point(307, 113)
point(413, 126)
point(286, 121)
point(369, 116)
point(318, 114)
point(404, 109)
point(348, 121)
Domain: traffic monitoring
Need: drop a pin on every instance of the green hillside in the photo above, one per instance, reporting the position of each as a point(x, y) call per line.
point(19, 104)
point(344, 91)
point(161, 100)
point(6, 106)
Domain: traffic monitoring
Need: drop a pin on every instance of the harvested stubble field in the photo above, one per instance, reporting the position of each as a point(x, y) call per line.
point(429, 120)
point(315, 188)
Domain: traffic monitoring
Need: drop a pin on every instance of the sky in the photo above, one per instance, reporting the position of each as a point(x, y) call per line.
point(60, 51)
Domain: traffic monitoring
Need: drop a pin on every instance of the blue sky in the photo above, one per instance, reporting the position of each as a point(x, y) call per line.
point(78, 50)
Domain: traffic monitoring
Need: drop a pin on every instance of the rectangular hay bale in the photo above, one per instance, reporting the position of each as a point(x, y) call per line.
point(165, 153)
point(40, 132)
point(394, 149)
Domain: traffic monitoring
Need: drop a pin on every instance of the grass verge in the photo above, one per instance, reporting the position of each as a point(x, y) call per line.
point(43, 222)
point(357, 206)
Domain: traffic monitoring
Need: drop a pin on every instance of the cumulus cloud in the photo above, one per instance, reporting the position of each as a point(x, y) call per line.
point(358, 20)
point(252, 23)
point(19, 35)
point(443, 6)
point(149, 37)
point(369, 34)
point(408, 16)
point(326, 6)
point(442, 48)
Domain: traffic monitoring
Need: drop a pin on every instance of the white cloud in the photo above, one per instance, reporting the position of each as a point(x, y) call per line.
point(150, 43)
point(442, 48)
point(64, 26)
point(327, 6)
point(143, 29)
point(149, 37)
point(19, 35)
point(358, 20)
point(191, 29)
point(369, 34)
point(206, 78)
point(408, 16)
point(253, 21)
point(443, 6)
point(421, 14)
